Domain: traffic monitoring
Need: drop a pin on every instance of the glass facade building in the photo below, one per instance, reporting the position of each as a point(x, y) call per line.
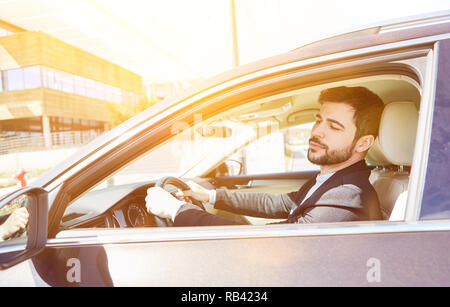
point(48, 86)
point(40, 76)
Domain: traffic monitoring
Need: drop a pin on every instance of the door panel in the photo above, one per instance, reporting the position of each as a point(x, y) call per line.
point(279, 182)
point(386, 259)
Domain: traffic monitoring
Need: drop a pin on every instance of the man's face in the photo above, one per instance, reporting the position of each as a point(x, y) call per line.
point(333, 135)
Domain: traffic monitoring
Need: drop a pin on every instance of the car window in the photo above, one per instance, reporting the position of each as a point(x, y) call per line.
point(436, 195)
point(259, 144)
point(268, 135)
point(188, 149)
point(281, 151)
point(247, 134)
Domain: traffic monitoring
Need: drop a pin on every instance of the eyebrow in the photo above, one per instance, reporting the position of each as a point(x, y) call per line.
point(331, 120)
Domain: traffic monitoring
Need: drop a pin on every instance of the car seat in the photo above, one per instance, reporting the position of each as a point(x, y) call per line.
point(392, 154)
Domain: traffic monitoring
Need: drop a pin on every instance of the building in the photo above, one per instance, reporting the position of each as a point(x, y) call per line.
point(48, 87)
point(163, 90)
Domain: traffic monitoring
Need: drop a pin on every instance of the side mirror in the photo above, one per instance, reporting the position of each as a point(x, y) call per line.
point(20, 246)
point(229, 168)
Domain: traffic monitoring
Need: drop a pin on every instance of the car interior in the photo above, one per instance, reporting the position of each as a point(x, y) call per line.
point(123, 205)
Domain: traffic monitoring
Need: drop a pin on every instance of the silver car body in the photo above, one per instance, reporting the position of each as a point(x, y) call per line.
point(413, 251)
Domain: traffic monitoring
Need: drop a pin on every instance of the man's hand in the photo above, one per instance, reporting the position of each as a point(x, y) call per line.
point(16, 221)
point(161, 203)
point(197, 192)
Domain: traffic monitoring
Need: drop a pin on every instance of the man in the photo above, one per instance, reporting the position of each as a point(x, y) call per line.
point(345, 128)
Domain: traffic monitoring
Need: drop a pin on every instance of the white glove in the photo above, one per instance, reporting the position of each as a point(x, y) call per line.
point(161, 203)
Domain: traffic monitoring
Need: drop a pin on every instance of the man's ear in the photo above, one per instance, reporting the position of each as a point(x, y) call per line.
point(364, 143)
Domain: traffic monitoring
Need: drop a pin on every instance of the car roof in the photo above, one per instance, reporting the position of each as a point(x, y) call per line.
point(387, 32)
point(387, 25)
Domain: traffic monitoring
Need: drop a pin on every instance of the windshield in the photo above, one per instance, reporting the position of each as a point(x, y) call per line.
point(196, 148)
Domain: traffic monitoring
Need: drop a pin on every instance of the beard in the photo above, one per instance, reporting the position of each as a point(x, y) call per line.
point(330, 157)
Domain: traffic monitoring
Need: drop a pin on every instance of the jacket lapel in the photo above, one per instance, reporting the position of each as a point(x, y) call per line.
point(332, 182)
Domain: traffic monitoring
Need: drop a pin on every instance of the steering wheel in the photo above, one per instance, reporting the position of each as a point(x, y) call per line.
point(172, 185)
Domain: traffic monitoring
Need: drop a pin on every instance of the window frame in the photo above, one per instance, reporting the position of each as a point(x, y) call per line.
point(134, 146)
point(434, 120)
point(8, 79)
point(32, 84)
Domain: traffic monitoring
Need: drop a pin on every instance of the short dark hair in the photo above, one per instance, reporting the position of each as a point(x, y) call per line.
point(368, 107)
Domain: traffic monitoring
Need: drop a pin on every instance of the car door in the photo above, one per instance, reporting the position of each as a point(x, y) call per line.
point(409, 252)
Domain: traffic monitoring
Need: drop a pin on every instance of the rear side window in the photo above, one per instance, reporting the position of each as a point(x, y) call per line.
point(436, 196)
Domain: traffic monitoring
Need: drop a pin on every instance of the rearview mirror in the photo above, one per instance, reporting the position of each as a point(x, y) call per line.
point(18, 246)
point(229, 168)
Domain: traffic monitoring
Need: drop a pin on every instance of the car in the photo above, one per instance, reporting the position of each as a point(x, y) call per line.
point(247, 129)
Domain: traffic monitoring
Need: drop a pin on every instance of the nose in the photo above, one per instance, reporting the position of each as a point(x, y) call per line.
point(318, 130)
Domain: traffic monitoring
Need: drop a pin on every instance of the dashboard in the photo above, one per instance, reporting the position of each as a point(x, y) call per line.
point(121, 206)
point(112, 207)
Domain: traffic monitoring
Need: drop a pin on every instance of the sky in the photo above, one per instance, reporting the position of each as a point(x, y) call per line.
point(269, 27)
point(198, 32)
point(191, 39)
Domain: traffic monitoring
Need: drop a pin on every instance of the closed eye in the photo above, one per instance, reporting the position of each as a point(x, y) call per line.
point(334, 127)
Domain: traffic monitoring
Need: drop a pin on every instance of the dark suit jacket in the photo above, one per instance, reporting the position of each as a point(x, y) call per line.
point(346, 196)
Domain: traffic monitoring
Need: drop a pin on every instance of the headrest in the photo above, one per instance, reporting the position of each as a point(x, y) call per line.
point(397, 135)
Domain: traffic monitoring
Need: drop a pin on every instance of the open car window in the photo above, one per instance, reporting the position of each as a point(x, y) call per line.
point(269, 135)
